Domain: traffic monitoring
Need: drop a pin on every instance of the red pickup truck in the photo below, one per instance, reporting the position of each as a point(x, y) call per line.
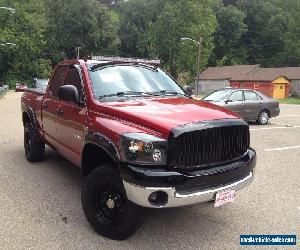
point(139, 140)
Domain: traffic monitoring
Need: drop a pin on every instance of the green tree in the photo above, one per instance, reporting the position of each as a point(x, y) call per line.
point(290, 56)
point(233, 32)
point(25, 29)
point(184, 19)
point(267, 25)
point(86, 24)
point(231, 27)
point(137, 17)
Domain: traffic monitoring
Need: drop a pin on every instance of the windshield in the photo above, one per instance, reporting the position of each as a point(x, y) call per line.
point(132, 80)
point(218, 96)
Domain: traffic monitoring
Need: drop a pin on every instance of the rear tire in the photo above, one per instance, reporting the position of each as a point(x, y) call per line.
point(263, 117)
point(34, 147)
point(106, 206)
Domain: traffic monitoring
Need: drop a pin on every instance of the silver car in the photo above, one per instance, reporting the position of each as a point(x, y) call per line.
point(249, 104)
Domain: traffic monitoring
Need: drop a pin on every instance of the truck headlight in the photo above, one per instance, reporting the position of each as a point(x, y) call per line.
point(143, 148)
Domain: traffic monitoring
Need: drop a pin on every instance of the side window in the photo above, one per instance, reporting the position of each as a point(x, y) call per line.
point(236, 96)
point(250, 96)
point(57, 79)
point(73, 78)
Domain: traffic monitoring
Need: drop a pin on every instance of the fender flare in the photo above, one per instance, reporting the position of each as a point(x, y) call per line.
point(104, 143)
point(33, 121)
point(32, 117)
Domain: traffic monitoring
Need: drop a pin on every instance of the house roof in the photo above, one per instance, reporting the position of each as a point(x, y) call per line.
point(293, 73)
point(261, 74)
point(226, 72)
point(249, 73)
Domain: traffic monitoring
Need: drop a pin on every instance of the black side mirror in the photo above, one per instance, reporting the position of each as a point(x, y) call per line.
point(68, 93)
point(227, 101)
point(188, 90)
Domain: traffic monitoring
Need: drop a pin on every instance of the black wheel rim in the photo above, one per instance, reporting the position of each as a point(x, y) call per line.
point(110, 206)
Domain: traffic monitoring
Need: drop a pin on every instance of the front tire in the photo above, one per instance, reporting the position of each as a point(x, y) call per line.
point(106, 206)
point(263, 117)
point(34, 147)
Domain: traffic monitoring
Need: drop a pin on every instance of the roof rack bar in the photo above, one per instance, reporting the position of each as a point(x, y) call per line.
point(129, 60)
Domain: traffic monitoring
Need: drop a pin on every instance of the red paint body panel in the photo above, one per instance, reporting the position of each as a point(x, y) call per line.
point(153, 115)
point(163, 114)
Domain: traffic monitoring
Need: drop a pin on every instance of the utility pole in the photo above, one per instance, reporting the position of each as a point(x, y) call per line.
point(199, 57)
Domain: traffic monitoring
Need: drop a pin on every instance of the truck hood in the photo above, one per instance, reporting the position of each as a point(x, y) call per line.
point(163, 114)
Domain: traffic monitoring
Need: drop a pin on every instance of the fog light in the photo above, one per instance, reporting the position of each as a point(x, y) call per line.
point(153, 197)
point(156, 155)
point(158, 198)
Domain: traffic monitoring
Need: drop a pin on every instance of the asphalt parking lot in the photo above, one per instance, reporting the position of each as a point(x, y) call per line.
point(40, 204)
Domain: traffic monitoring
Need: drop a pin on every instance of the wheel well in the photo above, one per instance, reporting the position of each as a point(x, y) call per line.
point(92, 157)
point(268, 111)
point(25, 118)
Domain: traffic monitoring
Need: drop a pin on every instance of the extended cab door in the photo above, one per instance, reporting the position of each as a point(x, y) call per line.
point(50, 105)
point(71, 119)
point(235, 102)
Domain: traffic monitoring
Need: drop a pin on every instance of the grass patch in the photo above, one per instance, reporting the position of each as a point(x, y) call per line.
point(290, 100)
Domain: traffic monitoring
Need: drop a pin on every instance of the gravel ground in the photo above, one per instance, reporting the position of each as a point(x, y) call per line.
point(40, 203)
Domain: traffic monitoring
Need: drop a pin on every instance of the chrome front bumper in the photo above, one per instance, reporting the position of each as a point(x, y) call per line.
point(139, 195)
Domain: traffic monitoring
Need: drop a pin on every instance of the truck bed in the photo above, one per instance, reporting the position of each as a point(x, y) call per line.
point(32, 101)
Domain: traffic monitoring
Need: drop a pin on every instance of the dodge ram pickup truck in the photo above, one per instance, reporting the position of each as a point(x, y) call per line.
point(139, 140)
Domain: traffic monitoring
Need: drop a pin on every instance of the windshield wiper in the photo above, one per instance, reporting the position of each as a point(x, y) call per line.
point(127, 93)
point(167, 92)
point(141, 93)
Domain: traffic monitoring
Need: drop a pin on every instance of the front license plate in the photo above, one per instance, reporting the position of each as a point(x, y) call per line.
point(223, 197)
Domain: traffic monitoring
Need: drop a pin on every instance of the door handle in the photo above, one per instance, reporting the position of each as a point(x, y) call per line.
point(60, 111)
point(44, 105)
